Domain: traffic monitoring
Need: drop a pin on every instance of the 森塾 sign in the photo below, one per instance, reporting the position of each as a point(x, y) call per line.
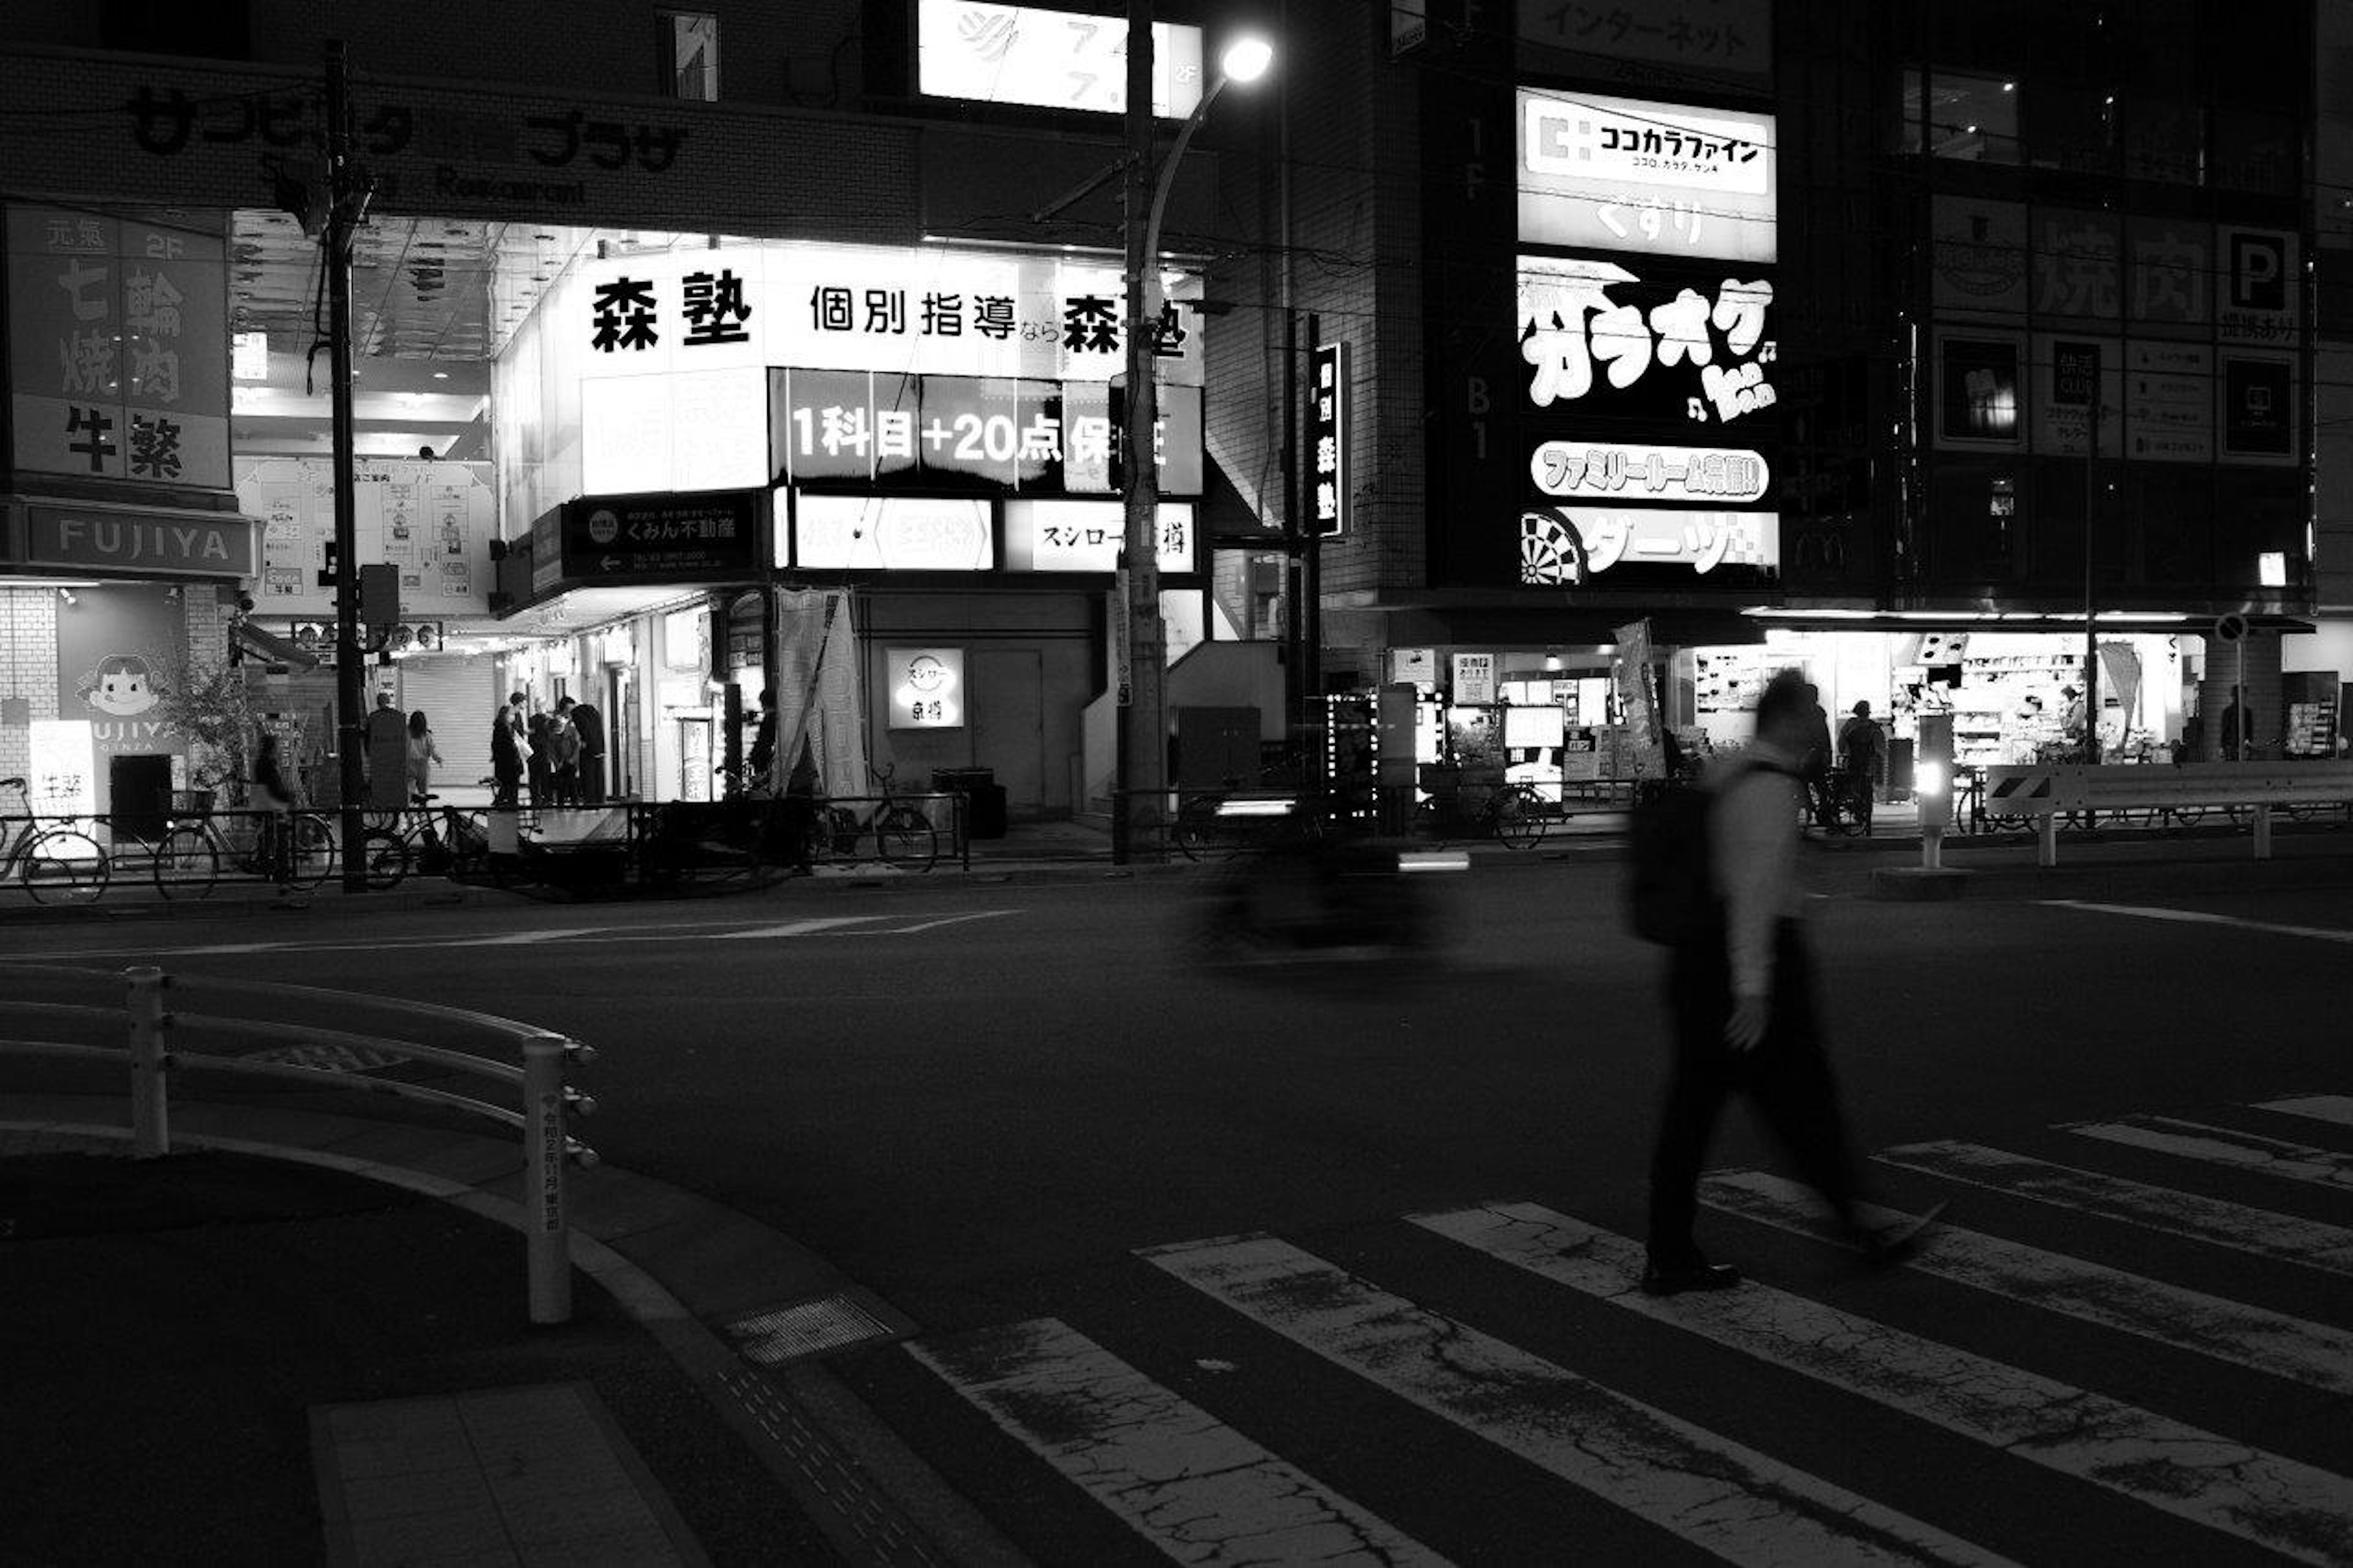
point(1328, 431)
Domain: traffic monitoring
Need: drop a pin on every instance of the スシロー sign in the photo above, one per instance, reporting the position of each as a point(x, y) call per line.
point(660, 535)
point(926, 688)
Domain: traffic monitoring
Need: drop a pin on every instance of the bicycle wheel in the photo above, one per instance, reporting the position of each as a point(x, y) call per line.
point(62, 866)
point(186, 863)
point(311, 852)
point(906, 838)
point(1202, 835)
point(384, 859)
point(1518, 823)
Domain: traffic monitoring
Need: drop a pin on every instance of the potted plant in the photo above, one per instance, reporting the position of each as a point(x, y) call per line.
point(208, 706)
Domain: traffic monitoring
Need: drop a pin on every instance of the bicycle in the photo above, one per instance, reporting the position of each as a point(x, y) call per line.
point(58, 865)
point(298, 853)
point(1219, 824)
point(905, 835)
point(414, 839)
point(1509, 813)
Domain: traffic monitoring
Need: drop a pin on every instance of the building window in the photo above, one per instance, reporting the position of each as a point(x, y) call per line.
point(1953, 114)
point(689, 54)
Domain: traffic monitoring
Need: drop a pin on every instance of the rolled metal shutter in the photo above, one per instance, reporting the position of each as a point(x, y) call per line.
point(459, 695)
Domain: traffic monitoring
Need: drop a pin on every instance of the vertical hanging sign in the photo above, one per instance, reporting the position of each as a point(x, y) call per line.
point(1327, 440)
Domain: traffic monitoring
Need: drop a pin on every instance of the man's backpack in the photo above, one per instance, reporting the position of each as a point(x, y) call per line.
point(1670, 895)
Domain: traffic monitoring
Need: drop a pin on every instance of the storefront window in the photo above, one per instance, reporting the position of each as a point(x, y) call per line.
point(690, 55)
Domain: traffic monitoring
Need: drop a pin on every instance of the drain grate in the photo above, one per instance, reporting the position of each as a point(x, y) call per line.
point(807, 1328)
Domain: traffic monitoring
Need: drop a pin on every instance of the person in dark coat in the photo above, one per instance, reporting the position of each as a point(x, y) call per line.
point(507, 749)
point(541, 763)
point(591, 726)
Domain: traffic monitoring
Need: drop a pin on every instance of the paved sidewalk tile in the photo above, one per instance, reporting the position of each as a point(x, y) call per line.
point(505, 1476)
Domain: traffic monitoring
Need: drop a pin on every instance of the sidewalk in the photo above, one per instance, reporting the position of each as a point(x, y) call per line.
point(237, 1354)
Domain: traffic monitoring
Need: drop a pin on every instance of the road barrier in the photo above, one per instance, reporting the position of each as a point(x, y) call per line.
point(2044, 794)
point(160, 1042)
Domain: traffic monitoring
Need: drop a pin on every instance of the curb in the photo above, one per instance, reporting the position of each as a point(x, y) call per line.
point(871, 1496)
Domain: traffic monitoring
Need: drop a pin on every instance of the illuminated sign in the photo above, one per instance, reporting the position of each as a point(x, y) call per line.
point(932, 309)
point(1087, 536)
point(668, 536)
point(1618, 470)
point(1474, 678)
point(691, 430)
point(141, 543)
point(1054, 59)
point(1329, 428)
point(1621, 173)
point(926, 688)
point(889, 533)
point(1652, 43)
point(2259, 299)
point(1978, 392)
point(1619, 343)
point(1000, 434)
point(1569, 547)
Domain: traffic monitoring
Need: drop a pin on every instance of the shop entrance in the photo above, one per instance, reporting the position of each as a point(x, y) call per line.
point(1008, 723)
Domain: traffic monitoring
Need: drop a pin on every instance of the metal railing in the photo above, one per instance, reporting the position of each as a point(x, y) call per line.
point(537, 1099)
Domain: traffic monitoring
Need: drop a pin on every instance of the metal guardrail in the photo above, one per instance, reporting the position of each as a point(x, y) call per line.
point(2045, 794)
point(538, 1109)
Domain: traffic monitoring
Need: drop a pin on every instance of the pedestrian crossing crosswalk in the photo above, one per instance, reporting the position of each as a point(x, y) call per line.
point(2201, 1478)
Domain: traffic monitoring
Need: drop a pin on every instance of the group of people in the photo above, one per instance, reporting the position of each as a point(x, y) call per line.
point(401, 755)
point(559, 754)
point(1849, 772)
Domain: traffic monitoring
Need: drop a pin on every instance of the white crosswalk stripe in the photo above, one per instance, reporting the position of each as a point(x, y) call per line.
point(1196, 1489)
point(1730, 1500)
point(2251, 1337)
point(2309, 1243)
point(2336, 1107)
point(1192, 1482)
point(2225, 1146)
point(2291, 1507)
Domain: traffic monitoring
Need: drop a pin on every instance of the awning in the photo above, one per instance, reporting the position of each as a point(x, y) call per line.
point(269, 648)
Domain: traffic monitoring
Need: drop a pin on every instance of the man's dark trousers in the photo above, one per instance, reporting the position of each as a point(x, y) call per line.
point(1787, 1076)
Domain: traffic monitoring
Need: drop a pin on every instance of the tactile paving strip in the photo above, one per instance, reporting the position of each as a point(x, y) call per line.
point(806, 1329)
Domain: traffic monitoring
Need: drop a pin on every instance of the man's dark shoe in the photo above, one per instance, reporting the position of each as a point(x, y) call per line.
point(1897, 1243)
point(1673, 1279)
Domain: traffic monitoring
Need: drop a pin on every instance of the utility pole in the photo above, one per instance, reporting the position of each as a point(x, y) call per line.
point(347, 194)
point(1142, 776)
point(2091, 626)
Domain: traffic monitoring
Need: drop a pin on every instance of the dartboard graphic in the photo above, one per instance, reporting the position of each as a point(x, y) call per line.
point(1550, 550)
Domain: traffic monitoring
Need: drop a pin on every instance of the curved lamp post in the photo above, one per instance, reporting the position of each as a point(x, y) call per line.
point(1140, 784)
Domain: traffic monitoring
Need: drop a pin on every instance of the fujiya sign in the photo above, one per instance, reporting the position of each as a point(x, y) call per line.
point(141, 544)
point(1622, 173)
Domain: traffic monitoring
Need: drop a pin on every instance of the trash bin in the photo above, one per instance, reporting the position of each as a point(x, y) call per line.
point(985, 798)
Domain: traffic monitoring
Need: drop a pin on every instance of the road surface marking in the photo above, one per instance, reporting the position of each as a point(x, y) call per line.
point(2290, 1508)
point(2236, 1226)
point(790, 928)
point(584, 936)
point(2273, 1342)
point(1196, 1489)
point(2224, 1146)
point(2336, 1107)
point(512, 939)
point(2200, 916)
point(1717, 1494)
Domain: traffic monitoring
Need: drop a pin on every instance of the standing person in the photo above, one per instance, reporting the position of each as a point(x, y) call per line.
point(422, 755)
point(1815, 767)
point(273, 846)
point(1862, 759)
point(539, 764)
point(764, 742)
point(384, 743)
point(563, 754)
point(1741, 996)
point(2237, 729)
point(508, 750)
point(591, 726)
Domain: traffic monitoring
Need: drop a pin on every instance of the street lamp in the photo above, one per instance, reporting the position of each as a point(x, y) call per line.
point(1141, 782)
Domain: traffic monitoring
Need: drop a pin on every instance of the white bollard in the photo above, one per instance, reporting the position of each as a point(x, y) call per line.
point(150, 1110)
point(2263, 831)
point(549, 1243)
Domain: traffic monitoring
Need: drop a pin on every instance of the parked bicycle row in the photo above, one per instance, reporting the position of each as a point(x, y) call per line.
point(627, 846)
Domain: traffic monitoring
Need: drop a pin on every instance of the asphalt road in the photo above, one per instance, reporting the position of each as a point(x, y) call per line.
point(995, 1103)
